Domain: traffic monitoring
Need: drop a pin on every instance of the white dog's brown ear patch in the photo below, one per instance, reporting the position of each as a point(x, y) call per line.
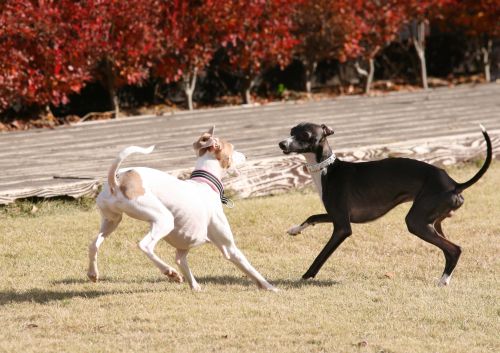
point(203, 143)
point(131, 185)
point(224, 153)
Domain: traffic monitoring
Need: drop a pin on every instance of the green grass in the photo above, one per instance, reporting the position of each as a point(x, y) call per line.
point(377, 293)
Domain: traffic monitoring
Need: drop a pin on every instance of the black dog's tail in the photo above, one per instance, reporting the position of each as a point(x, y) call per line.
point(461, 187)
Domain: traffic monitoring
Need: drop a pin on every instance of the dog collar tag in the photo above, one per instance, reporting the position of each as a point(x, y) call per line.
point(314, 168)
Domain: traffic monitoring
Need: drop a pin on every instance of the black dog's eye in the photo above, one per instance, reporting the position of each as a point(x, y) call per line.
point(304, 136)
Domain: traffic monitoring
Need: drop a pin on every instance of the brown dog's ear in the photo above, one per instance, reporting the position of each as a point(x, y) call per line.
point(326, 130)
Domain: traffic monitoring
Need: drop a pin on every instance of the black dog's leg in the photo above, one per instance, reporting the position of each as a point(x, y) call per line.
point(340, 232)
point(439, 227)
point(312, 220)
point(317, 218)
point(417, 222)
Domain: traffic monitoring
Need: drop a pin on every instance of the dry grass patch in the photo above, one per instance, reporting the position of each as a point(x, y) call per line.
point(377, 293)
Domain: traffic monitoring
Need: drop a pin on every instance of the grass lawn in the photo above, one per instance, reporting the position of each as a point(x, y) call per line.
point(377, 293)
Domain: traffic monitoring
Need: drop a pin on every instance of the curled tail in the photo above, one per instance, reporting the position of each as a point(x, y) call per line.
point(112, 181)
point(461, 187)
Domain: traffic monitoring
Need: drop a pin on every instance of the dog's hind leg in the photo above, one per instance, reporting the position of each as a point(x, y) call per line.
point(160, 227)
point(418, 223)
point(109, 222)
point(438, 227)
point(181, 261)
point(162, 223)
point(312, 220)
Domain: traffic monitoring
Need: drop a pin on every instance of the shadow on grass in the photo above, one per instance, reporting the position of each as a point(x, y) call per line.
point(219, 280)
point(138, 280)
point(42, 296)
point(244, 281)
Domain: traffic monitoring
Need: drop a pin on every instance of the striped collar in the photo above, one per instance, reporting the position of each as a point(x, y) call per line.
point(211, 180)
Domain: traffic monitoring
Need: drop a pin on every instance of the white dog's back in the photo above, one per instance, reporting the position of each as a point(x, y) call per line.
point(185, 199)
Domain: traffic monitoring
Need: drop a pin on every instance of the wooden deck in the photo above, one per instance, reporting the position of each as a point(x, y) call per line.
point(440, 126)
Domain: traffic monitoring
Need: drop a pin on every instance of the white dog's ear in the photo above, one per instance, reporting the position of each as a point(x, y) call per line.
point(211, 131)
point(205, 143)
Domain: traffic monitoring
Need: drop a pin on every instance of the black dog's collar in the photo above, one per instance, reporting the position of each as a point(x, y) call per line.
point(318, 167)
point(213, 182)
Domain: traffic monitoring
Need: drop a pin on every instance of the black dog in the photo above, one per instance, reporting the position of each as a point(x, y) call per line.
point(361, 192)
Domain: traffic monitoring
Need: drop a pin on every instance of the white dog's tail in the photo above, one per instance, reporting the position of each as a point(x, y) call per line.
point(112, 181)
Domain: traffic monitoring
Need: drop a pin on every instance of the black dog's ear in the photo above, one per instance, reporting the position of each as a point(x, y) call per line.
point(326, 130)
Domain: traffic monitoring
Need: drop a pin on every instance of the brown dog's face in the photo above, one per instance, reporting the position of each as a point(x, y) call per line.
point(305, 138)
point(223, 151)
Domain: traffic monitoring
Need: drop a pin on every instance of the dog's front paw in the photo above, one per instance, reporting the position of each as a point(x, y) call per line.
point(294, 230)
point(93, 276)
point(173, 275)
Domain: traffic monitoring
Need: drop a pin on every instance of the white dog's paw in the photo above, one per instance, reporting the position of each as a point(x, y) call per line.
point(196, 288)
point(93, 276)
point(174, 276)
point(294, 230)
point(269, 287)
point(273, 289)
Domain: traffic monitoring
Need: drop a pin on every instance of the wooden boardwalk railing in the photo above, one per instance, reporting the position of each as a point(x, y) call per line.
point(439, 126)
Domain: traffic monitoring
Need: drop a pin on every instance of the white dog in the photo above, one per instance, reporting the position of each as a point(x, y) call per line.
point(187, 213)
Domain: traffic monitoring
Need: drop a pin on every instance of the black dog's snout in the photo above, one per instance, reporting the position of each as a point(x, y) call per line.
point(283, 145)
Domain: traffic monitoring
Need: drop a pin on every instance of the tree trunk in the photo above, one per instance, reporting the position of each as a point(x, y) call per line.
point(486, 50)
point(310, 70)
point(419, 43)
point(371, 73)
point(367, 74)
point(114, 101)
point(189, 86)
point(248, 84)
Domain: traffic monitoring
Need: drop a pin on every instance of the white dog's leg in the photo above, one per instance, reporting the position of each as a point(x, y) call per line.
point(159, 229)
point(162, 223)
point(181, 261)
point(237, 257)
point(221, 235)
point(108, 225)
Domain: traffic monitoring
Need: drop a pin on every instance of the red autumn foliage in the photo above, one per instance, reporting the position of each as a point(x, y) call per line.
point(192, 32)
point(479, 19)
point(258, 35)
point(40, 62)
point(326, 29)
point(52, 48)
point(476, 17)
point(380, 23)
point(122, 38)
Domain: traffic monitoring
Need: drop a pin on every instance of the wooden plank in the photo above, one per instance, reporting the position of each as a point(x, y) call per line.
point(275, 175)
point(30, 159)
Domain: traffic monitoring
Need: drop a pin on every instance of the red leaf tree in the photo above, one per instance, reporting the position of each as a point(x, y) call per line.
point(191, 33)
point(326, 29)
point(122, 39)
point(480, 20)
point(380, 22)
point(419, 13)
point(258, 35)
point(40, 64)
